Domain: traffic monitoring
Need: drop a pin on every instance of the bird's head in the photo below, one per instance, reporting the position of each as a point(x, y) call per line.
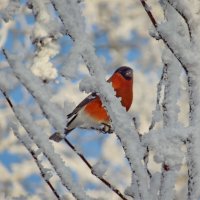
point(126, 72)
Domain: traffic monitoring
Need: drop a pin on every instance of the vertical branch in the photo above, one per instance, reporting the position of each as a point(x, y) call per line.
point(130, 141)
point(186, 62)
point(27, 143)
point(148, 11)
point(158, 99)
point(185, 13)
point(170, 120)
point(193, 150)
point(168, 41)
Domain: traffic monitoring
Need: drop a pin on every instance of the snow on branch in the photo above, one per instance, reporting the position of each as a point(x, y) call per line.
point(109, 185)
point(171, 92)
point(52, 112)
point(42, 141)
point(5, 84)
point(27, 142)
point(172, 158)
point(40, 92)
point(193, 148)
point(183, 8)
point(44, 35)
point(184, 47)
point(72, 19)
point(174, 44)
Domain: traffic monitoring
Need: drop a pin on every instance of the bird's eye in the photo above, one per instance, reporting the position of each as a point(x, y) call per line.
point(128, 73)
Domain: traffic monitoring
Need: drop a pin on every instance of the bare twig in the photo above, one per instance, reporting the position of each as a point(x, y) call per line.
point(148, 11)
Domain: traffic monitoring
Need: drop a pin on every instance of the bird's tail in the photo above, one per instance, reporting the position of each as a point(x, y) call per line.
point(57, 136)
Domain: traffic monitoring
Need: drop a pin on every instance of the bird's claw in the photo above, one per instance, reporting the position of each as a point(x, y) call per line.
point(57, 137)
point(107, 129)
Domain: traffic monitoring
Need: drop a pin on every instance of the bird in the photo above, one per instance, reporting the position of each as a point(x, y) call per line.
point(90, 113)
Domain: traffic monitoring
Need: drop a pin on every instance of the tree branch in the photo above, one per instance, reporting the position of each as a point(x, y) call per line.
point(39, 138)
point(91, 168)
point(184, 13)
point(155, 24)
point(48, 114)
point(28, 147)
point(130, 143)
point(42, 172)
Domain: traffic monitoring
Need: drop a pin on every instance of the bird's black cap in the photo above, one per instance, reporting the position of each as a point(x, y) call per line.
point(126, 72)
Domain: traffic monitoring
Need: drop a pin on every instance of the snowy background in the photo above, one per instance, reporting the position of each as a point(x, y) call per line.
point(44, 64)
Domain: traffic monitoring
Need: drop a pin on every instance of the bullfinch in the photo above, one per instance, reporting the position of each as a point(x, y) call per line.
point(90, 113)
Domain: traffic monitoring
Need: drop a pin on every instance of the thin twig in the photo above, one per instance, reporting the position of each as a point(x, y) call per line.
point(155, 24)
point(159, 88)
point(146, 155)
point(32, 153)
point(90, 167)
point(148, 11)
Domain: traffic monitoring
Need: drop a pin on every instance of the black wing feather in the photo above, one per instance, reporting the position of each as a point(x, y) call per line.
point(82, 104)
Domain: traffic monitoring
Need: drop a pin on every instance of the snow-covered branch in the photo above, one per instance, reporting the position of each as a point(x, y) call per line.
point(40, 139)
point(69, 13)
point(49, 50)
point(52, 112)
point(27, 142)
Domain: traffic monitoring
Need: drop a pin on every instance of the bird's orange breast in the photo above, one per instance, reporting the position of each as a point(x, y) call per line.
point(123, 89)
point(96, 111)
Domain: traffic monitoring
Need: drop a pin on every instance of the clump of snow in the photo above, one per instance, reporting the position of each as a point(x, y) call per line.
point(42, 66)
point(8, 9)
point(38, 152)
point(42, 141)
point(87, 84)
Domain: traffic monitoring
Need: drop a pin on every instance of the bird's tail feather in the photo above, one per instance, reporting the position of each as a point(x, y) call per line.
point(57, 137)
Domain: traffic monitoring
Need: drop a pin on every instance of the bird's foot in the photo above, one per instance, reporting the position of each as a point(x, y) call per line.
point(107, 129)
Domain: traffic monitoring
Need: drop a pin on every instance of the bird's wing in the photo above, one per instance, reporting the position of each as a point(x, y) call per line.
point(82, 104)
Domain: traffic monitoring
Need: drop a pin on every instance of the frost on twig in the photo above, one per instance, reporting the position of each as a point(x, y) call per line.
point(166, 136)
point(127, 134)
point(51, 111)
point(26, 141)
point(179, 32)
point(41, 140)
point(9, 9)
